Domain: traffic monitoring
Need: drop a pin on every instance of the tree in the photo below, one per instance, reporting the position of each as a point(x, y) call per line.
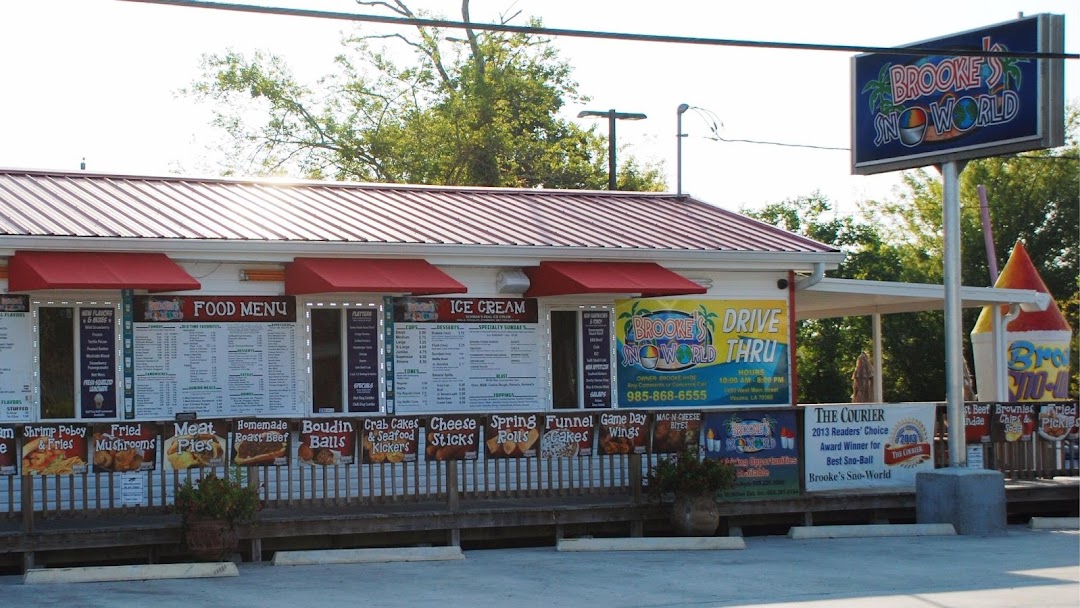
point(826, 349)
point(1032, 197)
point(482, 110)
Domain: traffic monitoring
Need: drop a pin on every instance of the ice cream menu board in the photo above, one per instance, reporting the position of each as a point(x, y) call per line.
point(15, 366)
point(465, 354)
point(214, 355)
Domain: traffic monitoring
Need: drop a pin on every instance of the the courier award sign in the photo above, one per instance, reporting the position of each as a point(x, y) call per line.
point(914, 110)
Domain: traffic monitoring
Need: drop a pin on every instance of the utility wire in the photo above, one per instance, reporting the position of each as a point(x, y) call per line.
point(714, 124)
point(548, 31)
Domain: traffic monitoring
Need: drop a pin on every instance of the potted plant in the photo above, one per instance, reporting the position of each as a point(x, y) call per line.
point(693, 482)
point(210, 508)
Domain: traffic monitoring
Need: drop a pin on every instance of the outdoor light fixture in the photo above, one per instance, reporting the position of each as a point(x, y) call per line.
point(612, 116)
point(270, 275)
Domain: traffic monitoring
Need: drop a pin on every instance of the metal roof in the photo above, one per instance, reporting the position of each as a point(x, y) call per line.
point(36, 203)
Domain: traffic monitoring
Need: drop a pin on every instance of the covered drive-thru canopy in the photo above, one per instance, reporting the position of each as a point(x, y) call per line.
point(849, 297)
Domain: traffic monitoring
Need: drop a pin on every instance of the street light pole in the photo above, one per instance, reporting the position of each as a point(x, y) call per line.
point(678, 150)
point(612, 116)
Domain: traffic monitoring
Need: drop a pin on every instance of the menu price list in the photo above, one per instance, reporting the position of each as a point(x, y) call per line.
point(463, 366)
point(214, 369)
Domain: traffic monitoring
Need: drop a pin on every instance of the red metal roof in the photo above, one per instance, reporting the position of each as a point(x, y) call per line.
point(76, 204)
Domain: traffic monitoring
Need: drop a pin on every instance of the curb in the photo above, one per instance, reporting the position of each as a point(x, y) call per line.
point(870, 530)
point(364, 556)
point(692, 543)
point(102, 574)
point(1054, 523)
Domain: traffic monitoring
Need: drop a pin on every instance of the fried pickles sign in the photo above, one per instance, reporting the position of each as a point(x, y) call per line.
point(694, 353)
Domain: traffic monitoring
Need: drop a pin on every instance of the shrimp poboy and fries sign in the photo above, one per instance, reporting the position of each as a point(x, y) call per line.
point(54, 449)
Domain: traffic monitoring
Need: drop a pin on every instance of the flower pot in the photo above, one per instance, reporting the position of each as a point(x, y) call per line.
point(210, 540)
point(695, 515)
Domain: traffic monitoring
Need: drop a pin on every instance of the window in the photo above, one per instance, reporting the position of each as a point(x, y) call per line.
point(581, 359)
point(346, 367)
point(77, 361)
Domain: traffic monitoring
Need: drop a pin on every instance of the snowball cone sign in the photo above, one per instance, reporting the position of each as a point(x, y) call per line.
point(694, 353)
point(875, 446)
point(918, 109)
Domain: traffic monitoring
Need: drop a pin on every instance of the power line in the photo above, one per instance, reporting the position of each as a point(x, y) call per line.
point(714, 124)
point(548, 31)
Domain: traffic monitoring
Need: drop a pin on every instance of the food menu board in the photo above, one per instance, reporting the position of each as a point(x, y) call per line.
point(16, 370)
point(362, 339)
point(97, 337)
point(596, 347)
point(214, 355)
point(465, 354)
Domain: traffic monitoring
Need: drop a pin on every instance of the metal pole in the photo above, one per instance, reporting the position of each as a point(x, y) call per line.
point(954, 338)
point(678, 150)
point(611, 149)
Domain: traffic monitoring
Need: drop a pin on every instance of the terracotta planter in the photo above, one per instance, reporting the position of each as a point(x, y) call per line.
point(695, 515)
point(210, 540)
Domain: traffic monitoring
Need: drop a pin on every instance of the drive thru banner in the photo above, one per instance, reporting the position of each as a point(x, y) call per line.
point(875, 446)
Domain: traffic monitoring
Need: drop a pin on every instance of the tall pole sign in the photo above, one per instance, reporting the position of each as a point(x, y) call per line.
point(917, 109)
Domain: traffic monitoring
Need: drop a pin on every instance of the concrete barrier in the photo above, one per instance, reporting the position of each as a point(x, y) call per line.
point(363, 556)
point(146, 572)
point(870, 530)
point(1054, 523)
point(676, 543)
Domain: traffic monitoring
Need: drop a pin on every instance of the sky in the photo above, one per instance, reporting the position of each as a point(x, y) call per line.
point(99, 80)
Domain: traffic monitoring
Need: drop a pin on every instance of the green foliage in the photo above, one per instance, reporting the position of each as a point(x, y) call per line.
point(483, 110)
point(1032, 198)
point(688, 474)
point(211, 497)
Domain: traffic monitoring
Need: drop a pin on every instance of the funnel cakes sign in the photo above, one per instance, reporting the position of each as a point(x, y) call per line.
point(916, 109)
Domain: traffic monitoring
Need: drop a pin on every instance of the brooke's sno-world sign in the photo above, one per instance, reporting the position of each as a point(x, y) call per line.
point(912, 110)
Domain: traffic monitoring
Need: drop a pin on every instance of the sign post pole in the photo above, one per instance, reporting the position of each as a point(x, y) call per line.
point(954, 337)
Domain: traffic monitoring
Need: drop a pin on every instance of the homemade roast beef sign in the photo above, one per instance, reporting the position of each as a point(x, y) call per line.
point(214, 355)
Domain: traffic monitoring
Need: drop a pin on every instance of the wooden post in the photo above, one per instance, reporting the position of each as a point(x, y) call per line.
point(27, 504)
point(454, 498)
point(635, 478)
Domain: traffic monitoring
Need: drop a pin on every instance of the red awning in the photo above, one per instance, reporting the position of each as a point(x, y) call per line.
point(353, 275)
point(34, 270)
point(646, 278)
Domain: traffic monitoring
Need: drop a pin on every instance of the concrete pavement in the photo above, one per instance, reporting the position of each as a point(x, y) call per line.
point(1024, 567)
